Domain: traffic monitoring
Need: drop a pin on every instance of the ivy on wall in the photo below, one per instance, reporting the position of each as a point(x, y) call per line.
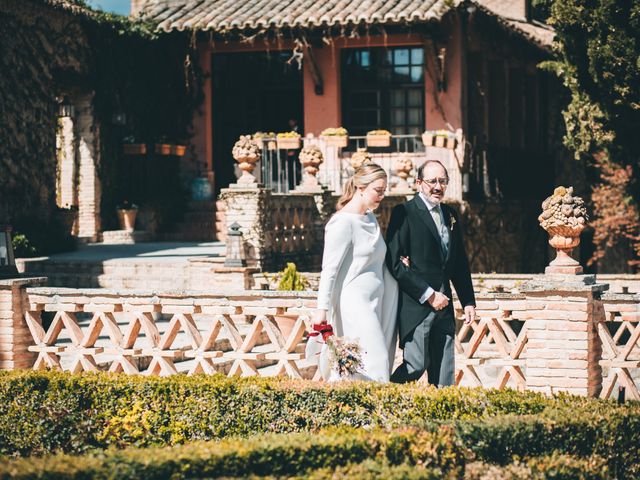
point(49, 49)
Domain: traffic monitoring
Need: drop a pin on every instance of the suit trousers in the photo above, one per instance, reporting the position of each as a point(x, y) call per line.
point(430, 347)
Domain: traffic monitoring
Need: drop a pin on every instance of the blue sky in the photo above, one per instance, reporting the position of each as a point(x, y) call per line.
point(116, 6)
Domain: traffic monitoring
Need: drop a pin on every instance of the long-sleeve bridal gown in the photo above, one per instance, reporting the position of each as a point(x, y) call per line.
point(358, 291)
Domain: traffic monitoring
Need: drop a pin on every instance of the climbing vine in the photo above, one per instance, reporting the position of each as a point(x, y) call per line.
point(49, 50)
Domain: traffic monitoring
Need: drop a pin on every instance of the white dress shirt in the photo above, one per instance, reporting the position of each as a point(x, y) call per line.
point(444, 235)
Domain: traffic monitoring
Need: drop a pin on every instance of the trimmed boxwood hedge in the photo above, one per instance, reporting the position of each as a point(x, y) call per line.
point(335, 454)
point(45, 412)
point(269, 454)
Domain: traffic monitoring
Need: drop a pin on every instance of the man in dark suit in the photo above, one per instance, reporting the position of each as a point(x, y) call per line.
point(425, 254)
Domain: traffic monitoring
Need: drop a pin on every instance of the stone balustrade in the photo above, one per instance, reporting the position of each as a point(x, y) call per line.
point(554, 335)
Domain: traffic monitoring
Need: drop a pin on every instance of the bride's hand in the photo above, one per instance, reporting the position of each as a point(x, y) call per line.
point(319, 317)
point(405, 261)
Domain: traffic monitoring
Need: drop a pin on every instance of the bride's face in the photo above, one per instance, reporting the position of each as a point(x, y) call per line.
point(373, 193)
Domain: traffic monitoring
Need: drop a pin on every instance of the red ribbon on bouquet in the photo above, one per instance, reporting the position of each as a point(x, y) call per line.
point(323, 329)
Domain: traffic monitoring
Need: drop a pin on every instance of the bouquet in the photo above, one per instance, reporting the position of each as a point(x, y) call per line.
point(344, 356)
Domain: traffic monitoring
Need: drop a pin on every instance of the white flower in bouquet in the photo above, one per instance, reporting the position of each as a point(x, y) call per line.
point(345, 356)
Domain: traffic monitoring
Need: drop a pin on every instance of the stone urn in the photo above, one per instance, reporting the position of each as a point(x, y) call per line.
point(403, 167)
point(246, 152)
point(564, 217)
point(310, 158)
point(359, 158)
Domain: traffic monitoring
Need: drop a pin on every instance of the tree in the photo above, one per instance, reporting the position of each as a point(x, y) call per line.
point(598, 58)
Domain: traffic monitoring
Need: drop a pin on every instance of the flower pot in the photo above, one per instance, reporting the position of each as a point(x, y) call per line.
point(441, 141)
point(288, 143)
point(285, 324)
point(127, 218)
point(163, 148)
point(178, 150)
point(338, 141)
point(134, 148)
point(378, 140)
point(428, 139)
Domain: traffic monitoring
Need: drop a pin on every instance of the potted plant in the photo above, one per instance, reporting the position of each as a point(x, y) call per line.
point(289, 279)
point(130, 147)
point(335, 137)
point(265, 139)
point(178, 150)
point(127, 213)
point(288, 141)
point(378, 138)
point(439, 138)
point(162, 147)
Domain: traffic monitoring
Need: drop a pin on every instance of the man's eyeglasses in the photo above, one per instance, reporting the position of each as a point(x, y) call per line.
point(432, 181)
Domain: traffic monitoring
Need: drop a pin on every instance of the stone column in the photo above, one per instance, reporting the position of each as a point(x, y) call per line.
point(563, 350)
point(88, 162)
point(15, 337)
point(250, 208)
point(67, 194)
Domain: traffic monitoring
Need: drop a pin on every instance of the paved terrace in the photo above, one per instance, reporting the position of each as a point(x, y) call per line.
point(154, 265)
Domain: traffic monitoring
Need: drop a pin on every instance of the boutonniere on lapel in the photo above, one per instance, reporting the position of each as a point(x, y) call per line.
point(453, 222)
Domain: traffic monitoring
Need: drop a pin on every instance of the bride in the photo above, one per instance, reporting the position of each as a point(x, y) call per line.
point(357, 295)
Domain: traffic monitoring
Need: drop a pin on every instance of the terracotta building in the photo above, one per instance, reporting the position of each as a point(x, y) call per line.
point(396, 65)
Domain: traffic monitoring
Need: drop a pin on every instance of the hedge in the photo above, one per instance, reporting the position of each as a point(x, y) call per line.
point(44, 412)
point(269, 454)
point(335, 453)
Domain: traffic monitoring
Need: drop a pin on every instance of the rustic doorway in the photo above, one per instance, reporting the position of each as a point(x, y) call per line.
point(254, 91)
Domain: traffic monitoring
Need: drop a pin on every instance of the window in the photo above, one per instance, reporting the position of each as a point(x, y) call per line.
point(383, 88)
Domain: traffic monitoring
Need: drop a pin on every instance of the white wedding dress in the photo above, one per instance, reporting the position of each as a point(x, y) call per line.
point(358, 291)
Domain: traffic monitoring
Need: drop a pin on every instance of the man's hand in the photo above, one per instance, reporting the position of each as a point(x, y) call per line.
point(319, 317)
point(469, 314)
point(438, 300)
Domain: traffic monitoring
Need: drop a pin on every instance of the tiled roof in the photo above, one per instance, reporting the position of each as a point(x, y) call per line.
point(220, 15)
point(509, 14)
point(225, 15)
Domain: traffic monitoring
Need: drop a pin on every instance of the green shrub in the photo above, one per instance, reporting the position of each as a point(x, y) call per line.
point(22, 247)
point(553, 467)
point(43, 412)
point(291, 279)
point(275, 455)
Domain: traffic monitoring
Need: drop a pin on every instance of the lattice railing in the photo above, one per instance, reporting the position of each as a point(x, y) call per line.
point(620, 335)
point(124, 330)
point(490, 350)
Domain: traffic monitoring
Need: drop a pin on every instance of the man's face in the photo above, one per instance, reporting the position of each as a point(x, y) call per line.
point(434, 182)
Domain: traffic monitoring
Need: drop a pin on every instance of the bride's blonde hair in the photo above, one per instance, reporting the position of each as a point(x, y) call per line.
point(362, 177)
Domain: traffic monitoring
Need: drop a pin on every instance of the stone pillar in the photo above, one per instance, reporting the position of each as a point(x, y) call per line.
point(15, 337)
point(250, 208)
point(88, 162)
point(563, 350)
point(67, 194)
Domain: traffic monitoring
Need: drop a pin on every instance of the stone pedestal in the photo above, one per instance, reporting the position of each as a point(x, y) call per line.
point(15, 337)
point(563, 350)
point(249, 207)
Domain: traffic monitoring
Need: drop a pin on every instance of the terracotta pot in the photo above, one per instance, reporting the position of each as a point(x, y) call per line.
point(127, 218)
point(134, 148)
point(428, 139)
point(288, 143)
point(285, 324)
point(163, 148)
point(339, 141)
point(378, 140)
point(178, 150)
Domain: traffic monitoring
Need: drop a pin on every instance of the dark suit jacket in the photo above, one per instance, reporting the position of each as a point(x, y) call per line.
point(412, 233)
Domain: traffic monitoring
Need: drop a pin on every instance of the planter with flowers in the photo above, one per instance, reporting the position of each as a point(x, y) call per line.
point(378, 138)
point(130, 147)
point(440, 139)
point(288, 141)
point(335, 137)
